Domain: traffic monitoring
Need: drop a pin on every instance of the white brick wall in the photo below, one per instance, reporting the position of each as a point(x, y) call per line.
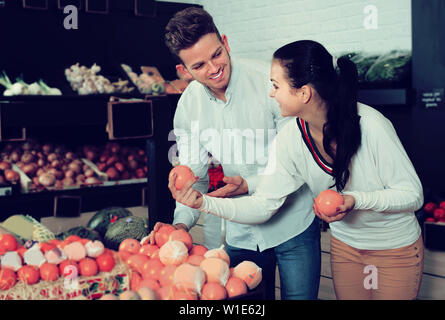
point(255, 28)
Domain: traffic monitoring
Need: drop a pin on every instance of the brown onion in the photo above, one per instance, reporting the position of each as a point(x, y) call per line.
point(30, 169)
point(75, 167)
point(89, 173)
point(69, 174)
point(68, 182)
point(113, 174)
point(5, 165)
point(12, 176)
point(47, 179)
point(119, 166)
point(52, 157)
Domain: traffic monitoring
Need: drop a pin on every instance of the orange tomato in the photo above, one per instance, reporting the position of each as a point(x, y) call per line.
point(28, 274)
point(235, 287)
point(45, 246)
point(183, 174)
point(130, 245)
point(49, 272)
point(8, 279)
point(105, 262)
point(88, 267)
point(213, 291)
point(8, 242)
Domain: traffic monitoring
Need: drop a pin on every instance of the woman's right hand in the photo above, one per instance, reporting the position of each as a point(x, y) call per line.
point(234, 186)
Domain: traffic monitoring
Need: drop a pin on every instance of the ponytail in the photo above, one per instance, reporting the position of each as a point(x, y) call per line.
point(308, 61)
point(343, 122)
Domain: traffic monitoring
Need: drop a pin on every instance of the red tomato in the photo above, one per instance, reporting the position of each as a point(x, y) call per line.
point(88, 267)
point(328, 201)
point(28, 274)
point(105, 262)
point(45, 246)
point(439, 214)
point(429, 207)
point(21, 251)
point(183, 174)
point(49, 272)
point(8, 242)
point(442, 205)
point(7, 279)
point(130, 245)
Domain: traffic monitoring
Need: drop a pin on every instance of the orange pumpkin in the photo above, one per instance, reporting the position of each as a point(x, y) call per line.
point(328, 201)
point(183, 174)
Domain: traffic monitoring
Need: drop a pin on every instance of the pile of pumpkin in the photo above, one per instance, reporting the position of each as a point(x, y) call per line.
point(48, 261)
point(173, 268)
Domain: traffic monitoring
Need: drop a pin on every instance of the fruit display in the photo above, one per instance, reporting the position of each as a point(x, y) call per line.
point(117, 162)
point(161, 271)
point(87, 81)
point(8, 177)
point(148, 82)
point(70, 269)
point(20, 87)
point(435, 212)
point(50, 166)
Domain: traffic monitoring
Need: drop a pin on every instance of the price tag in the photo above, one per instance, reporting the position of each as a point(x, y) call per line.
point(432, 98)
point(130, 119)
point(35, 4)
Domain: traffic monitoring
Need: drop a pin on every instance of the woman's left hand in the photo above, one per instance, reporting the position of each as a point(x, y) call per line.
point(348, 205)
point(187, 195)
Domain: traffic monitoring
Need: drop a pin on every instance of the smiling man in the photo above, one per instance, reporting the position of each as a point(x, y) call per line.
point(226, 102)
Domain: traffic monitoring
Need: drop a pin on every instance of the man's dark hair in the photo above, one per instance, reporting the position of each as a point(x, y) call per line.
point(186, 28)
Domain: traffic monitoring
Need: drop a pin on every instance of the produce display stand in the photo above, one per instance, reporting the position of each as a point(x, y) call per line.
point(44, 116)
point(85, 119)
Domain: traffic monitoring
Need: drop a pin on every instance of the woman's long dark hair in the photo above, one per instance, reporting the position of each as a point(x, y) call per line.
point(308, 62)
